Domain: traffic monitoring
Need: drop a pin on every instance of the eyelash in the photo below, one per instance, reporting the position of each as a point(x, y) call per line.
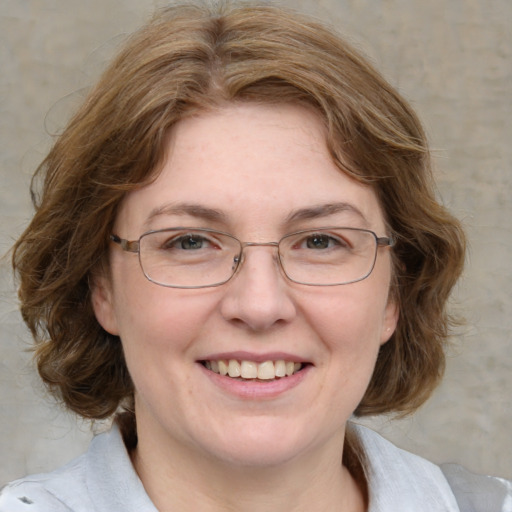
point(180, 239)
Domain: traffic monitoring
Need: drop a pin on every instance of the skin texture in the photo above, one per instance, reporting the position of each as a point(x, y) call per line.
point(255, 165)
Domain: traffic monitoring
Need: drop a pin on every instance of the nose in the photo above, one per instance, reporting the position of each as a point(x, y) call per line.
point(258, 296)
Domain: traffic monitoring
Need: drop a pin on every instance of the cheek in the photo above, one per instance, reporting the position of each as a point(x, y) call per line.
point(348, 318)
point(349, 329)
point(155, 321)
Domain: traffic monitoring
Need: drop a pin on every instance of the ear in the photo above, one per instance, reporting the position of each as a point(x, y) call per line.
point(103, 303)
point(390, 320)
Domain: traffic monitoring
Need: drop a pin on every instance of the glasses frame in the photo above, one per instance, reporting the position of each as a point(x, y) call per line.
point(133, 246)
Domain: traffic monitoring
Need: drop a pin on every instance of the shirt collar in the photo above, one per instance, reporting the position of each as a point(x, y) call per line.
point(399, 480)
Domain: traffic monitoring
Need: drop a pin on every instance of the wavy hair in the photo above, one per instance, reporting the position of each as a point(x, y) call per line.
point(191, 58)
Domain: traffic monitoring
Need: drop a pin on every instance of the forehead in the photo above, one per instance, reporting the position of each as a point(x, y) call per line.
point(250, 163)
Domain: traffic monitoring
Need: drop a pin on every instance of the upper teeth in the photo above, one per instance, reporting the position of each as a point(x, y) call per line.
point(267, 370)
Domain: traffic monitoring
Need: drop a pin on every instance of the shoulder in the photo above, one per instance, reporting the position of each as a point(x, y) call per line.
point(399, 480)
point(46, 492)
point(477, 493)
point(102, 479)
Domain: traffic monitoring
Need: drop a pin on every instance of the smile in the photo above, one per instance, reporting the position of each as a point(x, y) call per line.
point(251, 370)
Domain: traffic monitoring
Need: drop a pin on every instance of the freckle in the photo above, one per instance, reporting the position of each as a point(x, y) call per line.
point(24, 499)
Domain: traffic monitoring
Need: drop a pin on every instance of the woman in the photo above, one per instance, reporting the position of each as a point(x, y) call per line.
point(236, 248)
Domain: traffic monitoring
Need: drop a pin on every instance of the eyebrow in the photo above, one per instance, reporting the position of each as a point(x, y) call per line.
point(184, 209)
point(213, 215)
point(324, 210)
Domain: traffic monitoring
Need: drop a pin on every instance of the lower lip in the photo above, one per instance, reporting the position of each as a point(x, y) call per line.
point(256, 389)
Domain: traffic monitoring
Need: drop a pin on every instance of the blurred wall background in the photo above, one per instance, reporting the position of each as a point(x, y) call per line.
point(451, 58)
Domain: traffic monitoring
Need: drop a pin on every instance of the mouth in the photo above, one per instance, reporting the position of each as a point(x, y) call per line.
point(251, 370)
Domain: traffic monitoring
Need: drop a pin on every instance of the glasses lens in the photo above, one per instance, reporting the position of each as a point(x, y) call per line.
point(328, 256)
point(188, 258)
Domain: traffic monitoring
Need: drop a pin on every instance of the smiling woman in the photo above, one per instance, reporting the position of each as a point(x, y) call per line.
point(236, 248)
point(259, 319)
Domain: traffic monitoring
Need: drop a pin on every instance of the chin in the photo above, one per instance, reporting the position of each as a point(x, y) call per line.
point(255, 456)
point(260, 445)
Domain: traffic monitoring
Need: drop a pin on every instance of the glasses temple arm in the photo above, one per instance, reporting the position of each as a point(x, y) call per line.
point(386, 241)
point(126, 245)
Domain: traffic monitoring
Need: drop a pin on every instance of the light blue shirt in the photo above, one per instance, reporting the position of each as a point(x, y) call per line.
point(103, 480)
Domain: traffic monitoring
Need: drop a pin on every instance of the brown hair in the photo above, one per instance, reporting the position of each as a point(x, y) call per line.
point(187, 59)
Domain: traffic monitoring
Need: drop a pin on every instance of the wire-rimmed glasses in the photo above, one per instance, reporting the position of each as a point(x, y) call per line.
point(183, 257)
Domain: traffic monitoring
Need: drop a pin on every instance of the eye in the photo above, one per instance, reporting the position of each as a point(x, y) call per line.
point(322, 241)
point(192, 242)
point(188, 242)
point(317, 242)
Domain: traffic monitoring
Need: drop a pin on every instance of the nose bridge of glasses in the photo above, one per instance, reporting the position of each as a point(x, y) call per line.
point(263, 244)
point(239, 259)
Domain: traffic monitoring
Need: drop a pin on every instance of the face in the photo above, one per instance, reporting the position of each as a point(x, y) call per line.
point(257, 172)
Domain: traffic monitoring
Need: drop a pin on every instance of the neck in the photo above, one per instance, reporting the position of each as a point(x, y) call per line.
point(176, 478)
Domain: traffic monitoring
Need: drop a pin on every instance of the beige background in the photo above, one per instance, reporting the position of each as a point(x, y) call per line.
point(451, 58)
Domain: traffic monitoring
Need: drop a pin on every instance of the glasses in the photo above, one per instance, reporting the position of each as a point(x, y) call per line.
point(200, 258)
